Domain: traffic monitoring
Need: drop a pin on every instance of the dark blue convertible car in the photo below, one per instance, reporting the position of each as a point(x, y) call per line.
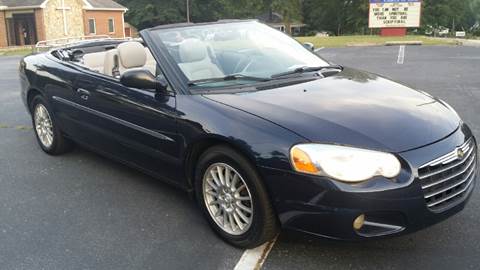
point(260, 130)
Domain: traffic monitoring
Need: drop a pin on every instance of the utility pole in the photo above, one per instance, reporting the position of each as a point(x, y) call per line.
point(453, 27)
point(188, 11)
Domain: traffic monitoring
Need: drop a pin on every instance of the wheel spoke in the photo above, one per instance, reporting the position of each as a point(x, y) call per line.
point(224, 218)
point(232, 223)
point(242, 198)
point(234, 182)
point(242, 187)
point(220, 175)
point(242, 216)
point(227, 177)
point(215, 178)
point(211, 192)
point(244, 208)
point(238, 221)
point(211, 184)
point(216, 202)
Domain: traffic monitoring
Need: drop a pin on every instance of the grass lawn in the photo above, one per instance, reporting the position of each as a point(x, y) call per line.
point(344, 41)
point(19, 51)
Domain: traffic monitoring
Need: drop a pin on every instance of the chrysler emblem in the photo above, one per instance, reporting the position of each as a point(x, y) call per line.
point(460, 153)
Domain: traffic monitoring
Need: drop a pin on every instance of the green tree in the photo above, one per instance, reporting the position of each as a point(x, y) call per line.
point(290, 10)
point(338, 17)
point(453, 14)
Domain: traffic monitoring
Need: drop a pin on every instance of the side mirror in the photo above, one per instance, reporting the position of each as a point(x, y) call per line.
point(142, 79)
point(309, 46)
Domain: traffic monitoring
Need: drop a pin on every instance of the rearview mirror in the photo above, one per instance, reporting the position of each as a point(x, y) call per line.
point(142, 79)
point(309, 46)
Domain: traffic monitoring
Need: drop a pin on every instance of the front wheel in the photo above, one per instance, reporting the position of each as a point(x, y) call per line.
point(234, 199)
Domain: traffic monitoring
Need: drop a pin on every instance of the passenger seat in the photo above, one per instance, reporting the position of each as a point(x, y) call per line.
point(151, 64)
point(196, 64)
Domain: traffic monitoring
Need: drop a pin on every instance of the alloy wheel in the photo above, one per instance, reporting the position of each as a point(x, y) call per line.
point(43, 125)
point(227, 198)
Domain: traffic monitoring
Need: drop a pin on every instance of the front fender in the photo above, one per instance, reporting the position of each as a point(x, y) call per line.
point(265, 143)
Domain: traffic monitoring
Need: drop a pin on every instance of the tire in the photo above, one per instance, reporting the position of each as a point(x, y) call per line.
point(262, 226)
point(57, 144)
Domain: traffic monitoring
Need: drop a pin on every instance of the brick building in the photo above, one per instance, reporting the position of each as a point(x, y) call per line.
point(25, 22)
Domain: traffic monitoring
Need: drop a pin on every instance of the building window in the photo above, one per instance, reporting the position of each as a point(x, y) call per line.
point(111, 25)
point(92, 27)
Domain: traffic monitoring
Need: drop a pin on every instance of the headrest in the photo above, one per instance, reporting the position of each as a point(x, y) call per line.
point(192, 50)
point(132, 54)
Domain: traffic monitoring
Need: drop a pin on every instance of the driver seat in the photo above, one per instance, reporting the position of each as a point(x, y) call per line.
point(195, 61)
point(131, 55)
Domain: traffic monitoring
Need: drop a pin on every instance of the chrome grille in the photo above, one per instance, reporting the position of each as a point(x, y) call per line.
point(447, 180)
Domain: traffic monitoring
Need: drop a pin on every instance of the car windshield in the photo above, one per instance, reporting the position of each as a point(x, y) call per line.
point(228, 54)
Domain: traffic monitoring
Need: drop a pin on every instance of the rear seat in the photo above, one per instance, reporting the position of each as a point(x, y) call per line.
point(108, 64)
point(95, 61)
point(111, 63)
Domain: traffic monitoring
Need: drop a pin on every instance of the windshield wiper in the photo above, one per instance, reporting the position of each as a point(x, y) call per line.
point(230, 77)
point(306, 69)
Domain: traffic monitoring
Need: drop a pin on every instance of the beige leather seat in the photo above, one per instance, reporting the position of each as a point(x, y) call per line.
point(94, 61)
point(131, 55)
point(127, 56)
point(151, 64)
point(196, 64)
point(111, 63)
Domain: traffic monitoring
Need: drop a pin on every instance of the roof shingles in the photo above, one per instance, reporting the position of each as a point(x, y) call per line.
point(21, 3)
point(97, 4)
point(105, 4)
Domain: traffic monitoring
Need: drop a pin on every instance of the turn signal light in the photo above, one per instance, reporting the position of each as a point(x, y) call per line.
point(302, 162)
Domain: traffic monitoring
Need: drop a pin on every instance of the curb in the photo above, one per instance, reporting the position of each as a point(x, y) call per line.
point(407, 43)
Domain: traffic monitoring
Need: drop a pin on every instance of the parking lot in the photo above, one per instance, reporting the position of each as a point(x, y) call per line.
point(82, 211)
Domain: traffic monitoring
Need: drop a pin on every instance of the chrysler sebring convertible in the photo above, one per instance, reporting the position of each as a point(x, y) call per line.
point(262, 132)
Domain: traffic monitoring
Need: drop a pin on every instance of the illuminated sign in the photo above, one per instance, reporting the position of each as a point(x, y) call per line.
point(395, 13)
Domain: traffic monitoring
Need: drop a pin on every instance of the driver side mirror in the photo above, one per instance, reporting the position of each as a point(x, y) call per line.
point(142, 79)
point(309, 46)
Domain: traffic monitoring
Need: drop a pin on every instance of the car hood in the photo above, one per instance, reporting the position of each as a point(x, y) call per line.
point(352, 108)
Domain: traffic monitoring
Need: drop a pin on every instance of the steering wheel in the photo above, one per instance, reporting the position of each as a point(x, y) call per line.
point(250, 56)
point(243, 65)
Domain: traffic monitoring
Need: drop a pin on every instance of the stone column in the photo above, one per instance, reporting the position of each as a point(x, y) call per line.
point(40, 25)
point(3, 30)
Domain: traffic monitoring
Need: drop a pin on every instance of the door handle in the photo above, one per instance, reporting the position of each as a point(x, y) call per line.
point(84, 94)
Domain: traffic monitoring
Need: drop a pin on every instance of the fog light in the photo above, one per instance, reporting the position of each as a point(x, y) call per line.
point(359, 222)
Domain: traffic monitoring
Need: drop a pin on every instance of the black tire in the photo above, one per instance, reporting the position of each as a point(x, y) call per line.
point(60, 144)
point(264, 225)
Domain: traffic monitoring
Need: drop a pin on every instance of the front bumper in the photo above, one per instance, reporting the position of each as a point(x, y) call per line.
point(328, 208)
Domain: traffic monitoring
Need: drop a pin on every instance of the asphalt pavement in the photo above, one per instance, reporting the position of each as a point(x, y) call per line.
point(82, 211)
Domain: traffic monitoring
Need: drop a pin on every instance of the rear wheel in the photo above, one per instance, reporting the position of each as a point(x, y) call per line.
point(234, 199)
point(49, 135)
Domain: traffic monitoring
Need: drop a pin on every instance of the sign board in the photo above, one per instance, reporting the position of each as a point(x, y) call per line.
point(460, 34)
point(395, 13)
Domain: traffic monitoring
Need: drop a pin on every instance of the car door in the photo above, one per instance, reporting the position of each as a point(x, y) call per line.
point(136, 126)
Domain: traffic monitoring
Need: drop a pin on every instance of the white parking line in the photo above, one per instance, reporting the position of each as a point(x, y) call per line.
point(319, 49)
point(401, 55)
point(253, 259)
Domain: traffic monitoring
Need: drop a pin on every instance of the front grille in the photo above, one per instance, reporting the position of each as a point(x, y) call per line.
point(447, 180)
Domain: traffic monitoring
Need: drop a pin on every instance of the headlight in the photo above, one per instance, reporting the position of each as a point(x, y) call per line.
point(343, 163)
